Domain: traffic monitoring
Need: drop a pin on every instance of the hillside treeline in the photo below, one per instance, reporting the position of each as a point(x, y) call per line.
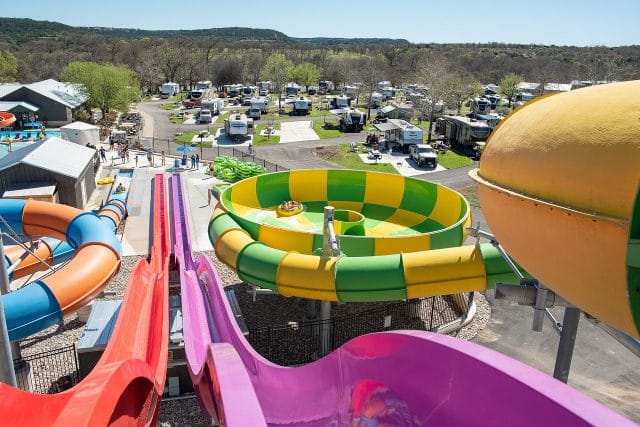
point(240, 54)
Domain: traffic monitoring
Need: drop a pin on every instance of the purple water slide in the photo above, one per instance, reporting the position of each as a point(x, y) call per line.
point(397, 378)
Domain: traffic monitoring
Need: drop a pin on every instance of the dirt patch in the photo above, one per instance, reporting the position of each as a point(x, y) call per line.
point(327, 153)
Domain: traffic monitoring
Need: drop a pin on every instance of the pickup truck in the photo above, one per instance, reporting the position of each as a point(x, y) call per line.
point(423, 154)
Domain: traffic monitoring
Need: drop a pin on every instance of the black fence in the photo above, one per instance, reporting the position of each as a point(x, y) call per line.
point(209, 153)
point(48, 372)
point(299, 343)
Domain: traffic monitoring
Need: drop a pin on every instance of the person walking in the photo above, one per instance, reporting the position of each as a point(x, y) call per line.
point(137, 160)
point(103, 154)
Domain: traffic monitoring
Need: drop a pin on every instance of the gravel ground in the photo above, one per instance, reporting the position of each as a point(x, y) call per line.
point(267, 309)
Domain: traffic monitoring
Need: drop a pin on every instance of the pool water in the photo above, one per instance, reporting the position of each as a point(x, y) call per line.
point(4, 147)
point(26, 134)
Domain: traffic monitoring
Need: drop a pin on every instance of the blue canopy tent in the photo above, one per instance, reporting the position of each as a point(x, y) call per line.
point(32, 125)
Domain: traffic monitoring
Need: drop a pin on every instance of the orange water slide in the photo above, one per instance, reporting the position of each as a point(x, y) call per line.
point(6, 119)
point(126, 385)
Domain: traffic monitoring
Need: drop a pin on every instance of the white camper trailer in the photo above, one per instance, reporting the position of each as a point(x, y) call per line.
point(351, 119)
point(169, 89)
point(238, 126)
point(301, 106)
point(480, 105)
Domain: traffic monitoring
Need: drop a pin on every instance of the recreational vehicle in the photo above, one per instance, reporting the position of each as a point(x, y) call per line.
point(292, 89)
point(247, 94)
point(260, 103)
point(376, 99)
point(301, 106)
point(480, 105)
point(215, 105)
point(400, 133)
point(340, 101)
point(237, 126)
point(169, 89)
point(204, 84)
point(325, 87)
point(352, 120)
point(350, 91)
point(463, 131)
point(385, 84)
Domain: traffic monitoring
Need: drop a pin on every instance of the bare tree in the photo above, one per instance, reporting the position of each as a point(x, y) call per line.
point(434, 74)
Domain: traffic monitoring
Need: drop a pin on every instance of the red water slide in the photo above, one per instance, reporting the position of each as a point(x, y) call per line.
point(125, 387)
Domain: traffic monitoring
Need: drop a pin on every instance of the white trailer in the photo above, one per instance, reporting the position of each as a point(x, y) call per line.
point(480, 105)
point(237, 127)
point(260, 103)
point(169, 89)
point(325, 87)
point(204, 84)
point(215, 105)
point(301, 106)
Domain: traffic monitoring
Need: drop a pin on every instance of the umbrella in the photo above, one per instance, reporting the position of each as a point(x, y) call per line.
point(186, 148)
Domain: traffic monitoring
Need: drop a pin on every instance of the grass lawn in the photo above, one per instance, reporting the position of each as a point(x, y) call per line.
point(186, 137)
point(451, 160)
point(341, 155)
point(169, 106)
point(263, 140)
point(175, 119)
point(331, 130)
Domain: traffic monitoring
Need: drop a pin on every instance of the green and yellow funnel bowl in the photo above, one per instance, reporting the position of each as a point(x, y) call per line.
point(389, 226)
point(558, 185)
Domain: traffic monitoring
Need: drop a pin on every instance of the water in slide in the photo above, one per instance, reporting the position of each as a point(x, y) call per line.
point(397, 378)
point(125, 386)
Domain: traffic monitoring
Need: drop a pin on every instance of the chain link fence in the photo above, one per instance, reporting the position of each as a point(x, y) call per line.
point(299, 343)
point(48, 372)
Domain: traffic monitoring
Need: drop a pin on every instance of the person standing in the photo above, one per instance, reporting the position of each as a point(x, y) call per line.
point(150, 159)
point(197, 160)
point(103, 154)
point(137, 160)
point(162, 157)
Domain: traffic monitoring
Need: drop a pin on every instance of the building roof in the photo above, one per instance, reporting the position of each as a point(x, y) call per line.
point(528, 86)
point(30, 189)
point(53, 154)
point(67, 94)
point(79, 126)
point(10, 105)
point(557, 87)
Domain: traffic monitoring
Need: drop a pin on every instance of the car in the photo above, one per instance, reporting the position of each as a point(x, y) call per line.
point(423, 154)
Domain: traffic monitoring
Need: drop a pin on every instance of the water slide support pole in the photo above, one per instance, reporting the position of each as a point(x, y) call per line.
point(567, 341)
point(330, 247)
point(7, 374)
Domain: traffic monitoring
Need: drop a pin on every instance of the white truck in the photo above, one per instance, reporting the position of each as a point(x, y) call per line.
point(261, 103)
point(205, 116)
point(169, 89)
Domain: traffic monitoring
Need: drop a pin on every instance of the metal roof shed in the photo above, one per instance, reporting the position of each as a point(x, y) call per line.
point(71, 166)
point(81, 133)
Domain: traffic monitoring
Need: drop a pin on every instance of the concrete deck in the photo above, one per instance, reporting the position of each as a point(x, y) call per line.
point(297, 131)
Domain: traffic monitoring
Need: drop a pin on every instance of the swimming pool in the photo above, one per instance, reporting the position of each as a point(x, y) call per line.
point(26, 134)
point(4, 147)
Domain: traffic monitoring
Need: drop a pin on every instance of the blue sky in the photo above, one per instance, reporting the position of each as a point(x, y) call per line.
point(559, 22)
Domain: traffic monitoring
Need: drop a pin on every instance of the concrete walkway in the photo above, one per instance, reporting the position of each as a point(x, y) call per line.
point(297, 131)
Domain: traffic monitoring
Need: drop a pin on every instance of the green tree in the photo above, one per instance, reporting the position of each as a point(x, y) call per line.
point(463, 87)
point(8, 67)
point(107, 87)
point(278, 69)
point(306, 74)
point(509, 86)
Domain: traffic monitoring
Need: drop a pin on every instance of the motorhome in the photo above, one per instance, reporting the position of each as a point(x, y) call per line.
point(463, 131)
point(261, 103)
point(238, 126)
point(325, 87)
point(215, 105)
point(196, 95)
point(350, 91)
point(247, 94)
point(292, 89)
point(169, 89)
point(312, 90)
point(340, 101)
point(351, 119)
point(480, 105)
point(385, 84)
point(301, 106)
point(400, 133)
point(204, 84)
point(234, 90)
point(376, 99)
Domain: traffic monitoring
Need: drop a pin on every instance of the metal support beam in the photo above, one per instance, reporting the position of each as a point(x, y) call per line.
point(567, 342)
point(7, 373)
point(539, 307)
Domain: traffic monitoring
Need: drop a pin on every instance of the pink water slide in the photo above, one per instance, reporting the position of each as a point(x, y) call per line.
point(394, 378)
